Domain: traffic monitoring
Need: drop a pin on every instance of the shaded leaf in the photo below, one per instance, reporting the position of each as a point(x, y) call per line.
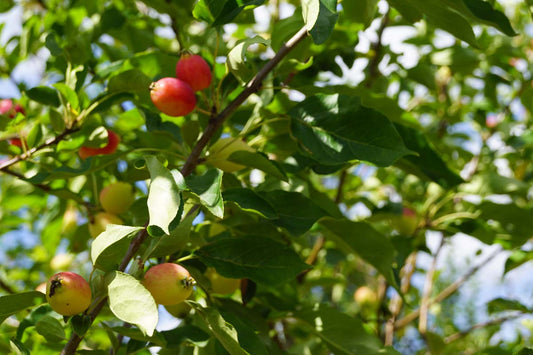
point(108, 249)
point(295, 212)
point(51, 329)
point(44, 95)
point(222, 330)
point(428, 164)
point(361, 238)
point(260, 259)
point(207, 188)
point(342, 334)
point(249, 200)
point(12, 304)
point(258, 161)
point(320, 17)
point(502, 305)
point(335, 129)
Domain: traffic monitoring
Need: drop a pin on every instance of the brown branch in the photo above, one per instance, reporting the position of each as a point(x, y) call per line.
point(27, 154)
point(428, 287)
point(447, 292)
point(252, 87)
point(397, 302)
point(495, 321)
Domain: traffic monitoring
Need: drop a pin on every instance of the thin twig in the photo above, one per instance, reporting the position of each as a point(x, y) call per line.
point(27, 154)
point(481, 325)
point(397, 302)
point(428, 288)
point(448, 291)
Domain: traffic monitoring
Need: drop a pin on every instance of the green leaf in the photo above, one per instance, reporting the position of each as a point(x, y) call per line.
point(342, 334)
point(175, 241)
point(517, 258)
point(70, 95)
point(361, 238)
point(44, 95)
point(136, 334)
point(132, 80)
point(295, 212)
point(108, 249)
point(260, 259)
point(320, 17)
point(362, 11)
point(81, 324)
point(51, 329)
point(428, 164)
point(515, 220)
point(12, 304)
point(439, 15)
point(131, 302)
point(220, 12)
point(247, 336)
point(502, 305)
point(336, 129)
point(222, 330)
point(436, 343)
point(484, 11)
point(164, 198)
point(258, 161)
point(207, 188)
point(236, 60)
point(186, 333)
point(249, 200)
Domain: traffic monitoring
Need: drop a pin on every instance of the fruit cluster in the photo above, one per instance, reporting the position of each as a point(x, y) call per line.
point(175, 96)
point(170, 284)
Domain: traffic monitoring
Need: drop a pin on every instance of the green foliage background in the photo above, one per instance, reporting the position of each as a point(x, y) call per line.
point(441, 134)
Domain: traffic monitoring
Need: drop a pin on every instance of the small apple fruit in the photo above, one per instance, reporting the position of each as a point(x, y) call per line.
point(194, 70)
point(117, 198)
point(6, 105)
point(168, 283)
point(366, 298)
point(70, 220)
point(179, 310)
point(68, 293)
point(100, 222)
point(112, 143)
point(61, 261)
point(222, 149)
point(406, 223)
point(173, 97)
point(220, 284)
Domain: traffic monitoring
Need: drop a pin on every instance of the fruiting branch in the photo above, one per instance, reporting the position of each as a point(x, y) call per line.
point(496, 321)
point(252, 87)
point(50, 142)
